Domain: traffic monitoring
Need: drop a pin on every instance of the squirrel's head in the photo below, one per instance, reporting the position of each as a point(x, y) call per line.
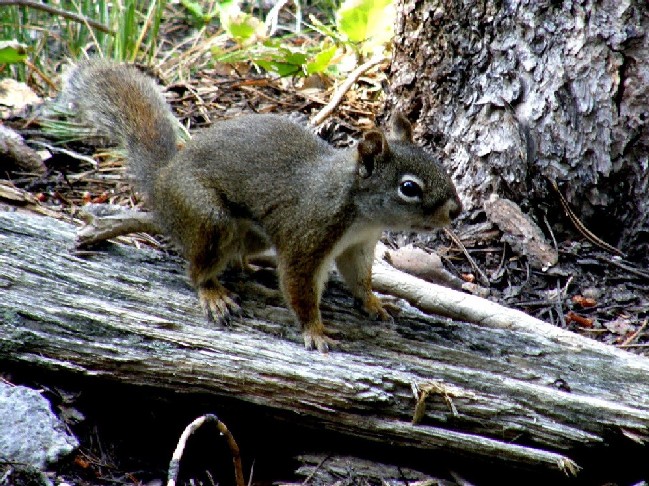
point(401, 185)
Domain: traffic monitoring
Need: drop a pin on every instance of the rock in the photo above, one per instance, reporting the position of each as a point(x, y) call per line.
point(30, 433)
point(15, 96)
point(521, 232)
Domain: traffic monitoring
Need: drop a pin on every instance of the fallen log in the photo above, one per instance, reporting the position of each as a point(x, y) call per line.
point(516, 389)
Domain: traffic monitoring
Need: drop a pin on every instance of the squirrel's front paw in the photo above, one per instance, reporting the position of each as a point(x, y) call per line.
point(315, 338)
point(218, 303)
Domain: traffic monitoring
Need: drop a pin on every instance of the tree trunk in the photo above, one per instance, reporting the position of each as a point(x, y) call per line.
point(516, 393)
point(518, 93)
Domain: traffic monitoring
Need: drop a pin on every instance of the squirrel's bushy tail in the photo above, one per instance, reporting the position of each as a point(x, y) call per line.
point(128, 106)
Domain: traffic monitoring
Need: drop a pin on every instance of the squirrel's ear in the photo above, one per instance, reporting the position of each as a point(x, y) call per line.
point(400, 127)
point(372, 146)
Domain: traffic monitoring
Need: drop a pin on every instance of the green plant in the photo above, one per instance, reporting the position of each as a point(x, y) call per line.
point(197, 14)
point(10, 18)
point(282, 58)
point(362, 28)
point(239, 26)
point(118, 30)
point(133, 29)
point(367, 24)
point(59, 124)
point(12, 52)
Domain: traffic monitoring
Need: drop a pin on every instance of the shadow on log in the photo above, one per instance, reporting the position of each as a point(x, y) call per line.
point(510, 392)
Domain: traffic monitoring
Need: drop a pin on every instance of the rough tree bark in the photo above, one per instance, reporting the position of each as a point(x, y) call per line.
point(515, 392)
point(513, 93)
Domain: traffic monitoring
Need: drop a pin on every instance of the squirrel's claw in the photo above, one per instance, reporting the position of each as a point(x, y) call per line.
point(218, 303)
point(378, 310)
point(315, 338)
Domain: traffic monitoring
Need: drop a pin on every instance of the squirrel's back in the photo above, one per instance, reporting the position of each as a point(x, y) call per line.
point(128, 106)
point(267, 166)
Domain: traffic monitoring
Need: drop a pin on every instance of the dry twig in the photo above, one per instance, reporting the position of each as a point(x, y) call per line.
point(342, 89)
point(58, 12)
point(629, 341)
point(174, 464)
point(580, 226)
point(484, 280)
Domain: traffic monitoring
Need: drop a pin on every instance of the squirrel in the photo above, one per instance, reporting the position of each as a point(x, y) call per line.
point(261, 180)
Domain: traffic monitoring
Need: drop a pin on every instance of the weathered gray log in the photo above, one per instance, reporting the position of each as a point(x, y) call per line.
point(327, 469)
point(129, 315)
point(515, 93)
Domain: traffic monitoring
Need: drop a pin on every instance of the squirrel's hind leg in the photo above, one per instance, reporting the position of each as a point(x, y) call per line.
point(209, 237)
point(218, 303)
point(206, 262)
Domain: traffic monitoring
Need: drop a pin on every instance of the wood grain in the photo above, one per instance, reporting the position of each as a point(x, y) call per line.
point(129, 315)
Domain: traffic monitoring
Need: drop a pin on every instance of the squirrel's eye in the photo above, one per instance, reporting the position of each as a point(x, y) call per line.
point(410, 190)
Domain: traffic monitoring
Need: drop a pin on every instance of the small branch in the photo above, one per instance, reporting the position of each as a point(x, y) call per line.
point(342, 89)
point(174, 464)
point(590, 236)
point(69, 153)
point(56, 11)
point(484, 280)
point(628, 342)
point(101, 227)
point(625, 266)
point(43, 76)
point(436, 299)
point(315, 470)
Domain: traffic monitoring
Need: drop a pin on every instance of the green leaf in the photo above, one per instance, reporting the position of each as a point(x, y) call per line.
point(366, 21)
point(241, 26)
point(291, 57)
point(195, 9)
point(321, 61)
point(240, 31)
point(280, 68)
point(12, 52)
point(197, 13)
point(228, 5)
point(324, 29)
